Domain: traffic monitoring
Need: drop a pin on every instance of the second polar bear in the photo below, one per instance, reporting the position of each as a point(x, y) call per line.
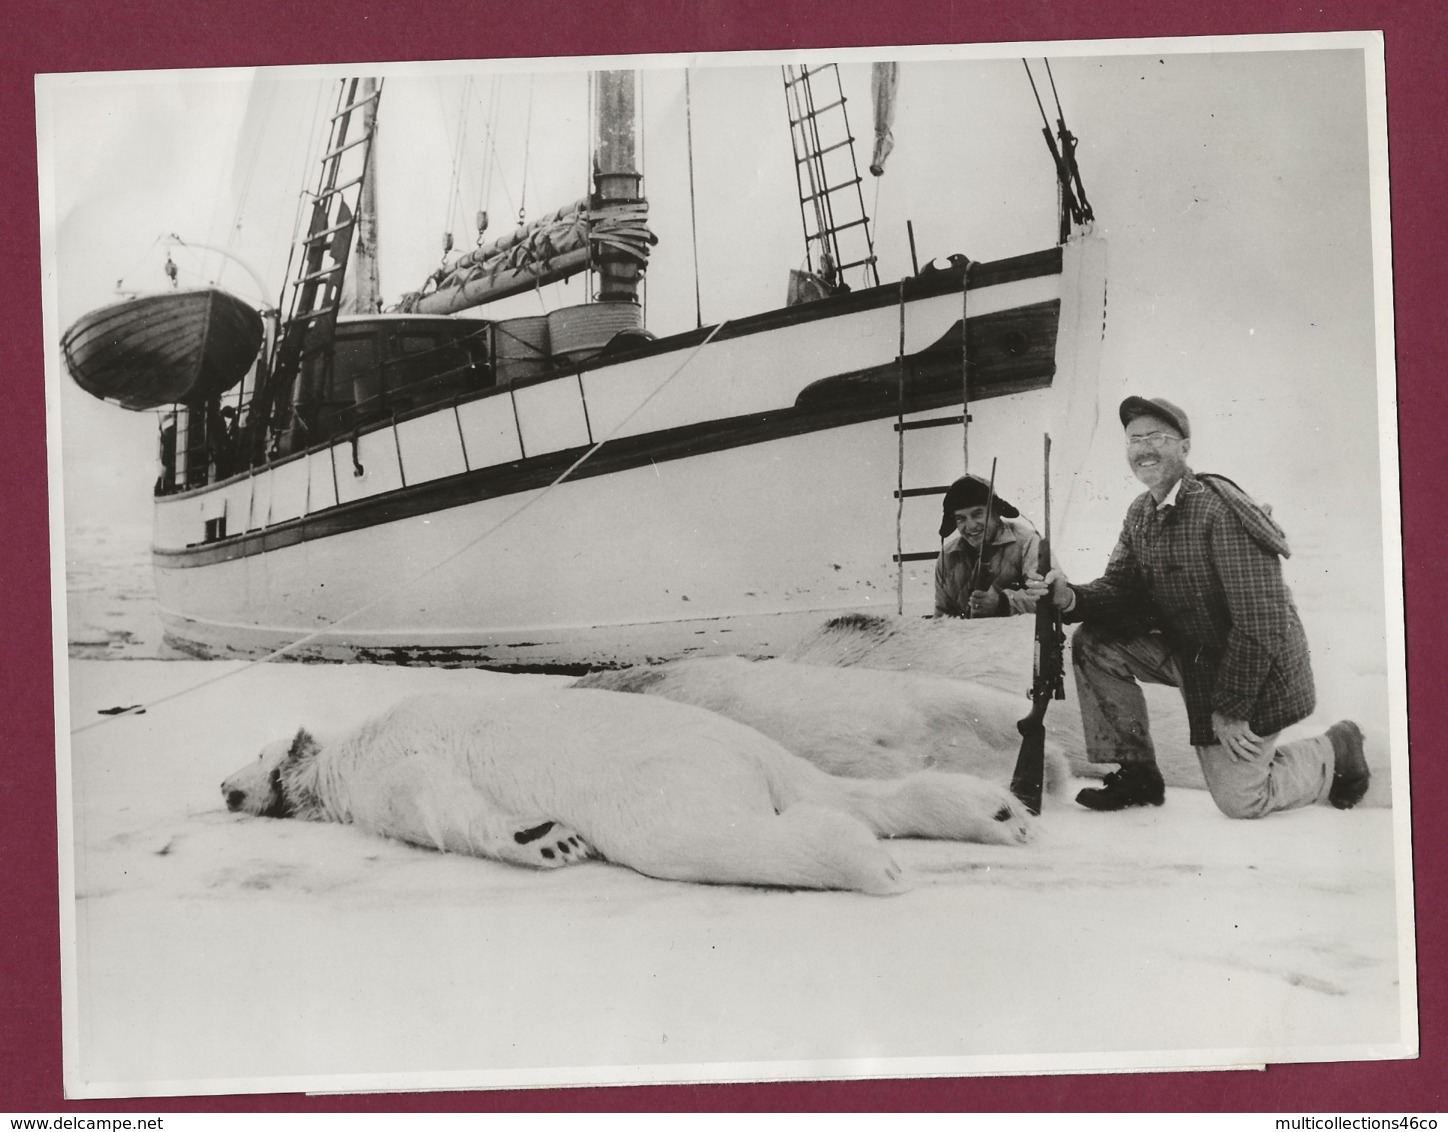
point(857, 722)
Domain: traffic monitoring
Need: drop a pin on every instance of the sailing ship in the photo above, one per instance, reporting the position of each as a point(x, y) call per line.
point(427, 484)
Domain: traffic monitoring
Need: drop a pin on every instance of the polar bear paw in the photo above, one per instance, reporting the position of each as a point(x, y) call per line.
point(841, 850)
point(551, 845)
point(881, 877)
point(959, 807)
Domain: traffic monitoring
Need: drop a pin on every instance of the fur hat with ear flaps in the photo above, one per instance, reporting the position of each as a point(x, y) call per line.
point(970, 491)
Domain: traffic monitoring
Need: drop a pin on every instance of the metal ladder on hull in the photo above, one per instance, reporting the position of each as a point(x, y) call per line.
point(321, 253)
point(831, 200)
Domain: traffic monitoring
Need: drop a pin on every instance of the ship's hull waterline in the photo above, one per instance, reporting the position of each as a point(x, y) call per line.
point(751, 497)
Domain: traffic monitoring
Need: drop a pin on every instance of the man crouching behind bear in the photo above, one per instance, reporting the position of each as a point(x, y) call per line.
point(669, 790)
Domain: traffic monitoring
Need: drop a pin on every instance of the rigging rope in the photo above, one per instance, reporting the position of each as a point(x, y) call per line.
point(527, 148)
point(643, 282)
point(137, 261)
point(502, 177)
point(1059, 112)
point(249, 165)
point(819, 186)
point(1032, 79)
point(1068, 154)
point(874, 217)
point(693, 214)
point(454, 196)
point(1072, 193)
point(314, 145)
point(588, 150)
point(276, 654)
point(485, 189)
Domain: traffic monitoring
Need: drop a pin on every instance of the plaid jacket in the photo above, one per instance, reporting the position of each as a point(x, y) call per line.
point(1205, 573)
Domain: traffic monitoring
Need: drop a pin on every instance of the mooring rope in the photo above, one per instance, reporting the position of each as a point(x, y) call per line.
point(276, 654)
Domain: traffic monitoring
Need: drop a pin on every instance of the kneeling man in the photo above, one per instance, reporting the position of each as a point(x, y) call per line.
point(1193, 597)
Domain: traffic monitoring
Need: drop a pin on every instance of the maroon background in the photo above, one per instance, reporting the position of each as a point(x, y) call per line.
point(50, 35)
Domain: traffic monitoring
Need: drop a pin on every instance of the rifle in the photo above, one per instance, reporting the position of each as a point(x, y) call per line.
point(984, 541)
point(1049, 677)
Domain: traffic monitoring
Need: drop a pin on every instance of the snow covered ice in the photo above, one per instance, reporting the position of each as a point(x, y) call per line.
point(220, 953)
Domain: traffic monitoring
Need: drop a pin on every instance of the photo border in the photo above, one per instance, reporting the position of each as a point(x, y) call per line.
point(272, 33)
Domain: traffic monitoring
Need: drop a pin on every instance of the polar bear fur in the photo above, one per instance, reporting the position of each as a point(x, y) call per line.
point(667, 789)
point(853, 721)
point(984, 649)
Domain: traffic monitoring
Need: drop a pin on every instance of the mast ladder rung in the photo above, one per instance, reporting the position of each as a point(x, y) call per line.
point(357, 105)
point(916, 556)
point(806, 73)
point(345, 146)
point(842, 227)
point(913, 492)
point(816, 111)
point(320, 235)
point(933, 422)
point(326, 193)
point(828, 189)
point(815, 132)
point(326, 271)
point(825, 150)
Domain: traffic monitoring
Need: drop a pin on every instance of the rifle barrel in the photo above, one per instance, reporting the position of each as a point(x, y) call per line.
point(984, 539)
point(1047, 683)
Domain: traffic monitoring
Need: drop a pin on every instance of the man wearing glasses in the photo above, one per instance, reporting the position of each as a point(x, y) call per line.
point(1193, 597)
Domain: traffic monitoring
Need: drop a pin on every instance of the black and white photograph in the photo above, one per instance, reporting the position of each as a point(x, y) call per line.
point(759, 566)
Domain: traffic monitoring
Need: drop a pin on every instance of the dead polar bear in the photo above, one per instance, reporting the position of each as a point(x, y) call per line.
point(857, 722)
point(672, 791)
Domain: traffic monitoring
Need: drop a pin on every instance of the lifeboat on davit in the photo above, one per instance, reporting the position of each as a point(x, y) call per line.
point(173, 347)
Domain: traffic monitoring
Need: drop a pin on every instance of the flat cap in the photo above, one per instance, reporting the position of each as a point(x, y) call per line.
point(1158, 407)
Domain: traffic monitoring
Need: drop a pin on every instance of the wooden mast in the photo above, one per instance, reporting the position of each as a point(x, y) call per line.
point(366, 281)
point(616, 178)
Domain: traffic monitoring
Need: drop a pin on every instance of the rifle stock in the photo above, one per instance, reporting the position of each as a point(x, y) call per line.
point(1048, 679)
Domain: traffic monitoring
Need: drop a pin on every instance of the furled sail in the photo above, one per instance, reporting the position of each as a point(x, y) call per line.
point(884, 82)
point(551, 248)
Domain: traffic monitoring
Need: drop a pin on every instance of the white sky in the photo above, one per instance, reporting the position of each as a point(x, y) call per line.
point(1233, 188)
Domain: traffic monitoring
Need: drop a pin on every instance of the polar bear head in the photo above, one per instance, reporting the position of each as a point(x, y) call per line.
point(266, 787)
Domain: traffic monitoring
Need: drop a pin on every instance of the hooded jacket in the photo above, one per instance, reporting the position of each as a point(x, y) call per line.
point(1206, 572)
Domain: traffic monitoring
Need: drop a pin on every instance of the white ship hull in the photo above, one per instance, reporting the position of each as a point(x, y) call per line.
point(727, 514)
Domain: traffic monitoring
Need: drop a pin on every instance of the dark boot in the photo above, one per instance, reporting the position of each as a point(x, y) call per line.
point(1135, 784)
point(1350, 769)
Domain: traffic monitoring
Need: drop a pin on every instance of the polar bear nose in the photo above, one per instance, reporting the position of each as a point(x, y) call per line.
point(234, 798)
